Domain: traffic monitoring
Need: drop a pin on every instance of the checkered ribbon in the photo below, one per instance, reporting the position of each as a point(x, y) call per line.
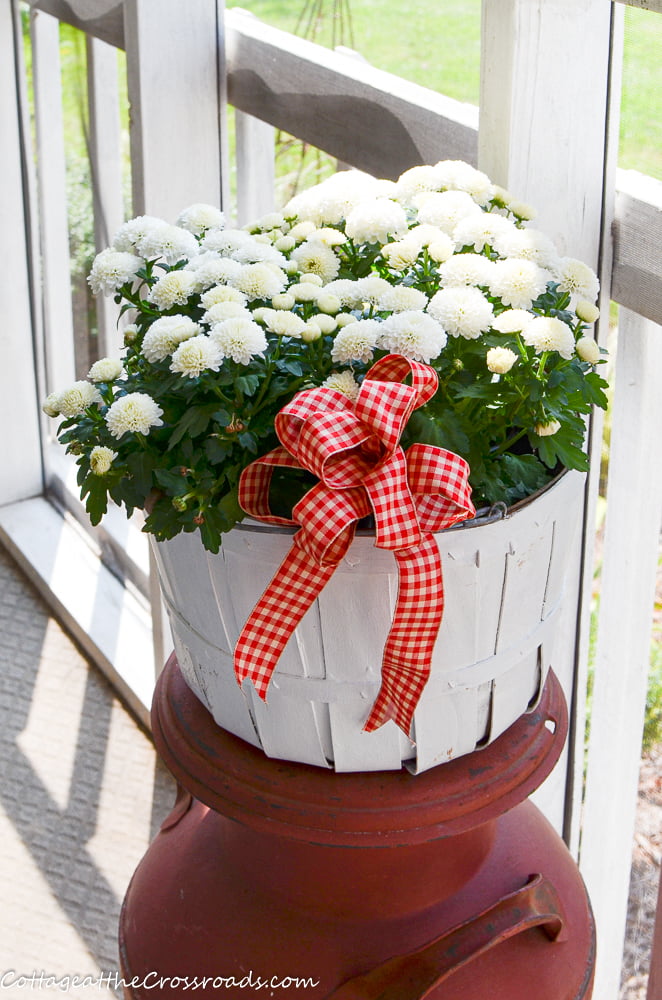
point(353, 449)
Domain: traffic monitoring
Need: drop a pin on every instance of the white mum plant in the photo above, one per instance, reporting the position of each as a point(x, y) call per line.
point(227, 325)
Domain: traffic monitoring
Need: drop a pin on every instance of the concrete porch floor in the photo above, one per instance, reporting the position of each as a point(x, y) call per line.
point(82, 793)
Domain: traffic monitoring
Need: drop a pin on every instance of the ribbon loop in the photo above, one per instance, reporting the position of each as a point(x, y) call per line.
point(354, 450)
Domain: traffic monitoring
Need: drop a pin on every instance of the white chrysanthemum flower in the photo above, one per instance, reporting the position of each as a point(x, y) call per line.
point(209, 269)
point(402, 298)
point(169, 242)
point(586, 311)
point(578, 279)
point(547, 333)
point(512, 321)
point(522, 209)
point(101, 459)
point(112, 269)
point(548, 428)
point(51, 405)
point(326, 323)
point(135, 231)
point(445, 209)
point(284, 300)
point(227, 242)
point(460, 176)
point(329, 236)
point(239, 339)
point(259, 281)
point(74, 400)
point(415, 180)
point(225, 310)
point(414, 334)
point(480, 231)
point(105, 370)
point(371, 288)
point(466, 269)
point(312, 277)
point(500, 360)
point(463, 312)
point(136, 412)
point(328, 303)
point(195, 356)
point(223, 293)
point(282, 323)
point(401, 254)
point(173, 289)
point(588, 350)
point(304, 291)
point(346, 291)
point(272, 220)
point(285, 243)
point(343, 382)
point(315, 257)
point(424, 234)
point(302, 230)
point(356, 342)
point(165, 334)
point(376, 221)
point(530, 244)
point(311, 332)
point(517, 282)
point(344, 319)
point(442, 249)
point(198, 218)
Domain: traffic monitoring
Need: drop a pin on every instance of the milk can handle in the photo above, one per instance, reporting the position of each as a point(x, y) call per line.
point(416, 974)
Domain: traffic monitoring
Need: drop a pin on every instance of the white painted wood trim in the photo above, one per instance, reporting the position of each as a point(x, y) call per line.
point(535, 63)
point(19, 406)
point(110, 623)
point(637, 274)
point(52, 198)
point(655, 5)
point(100, 18)
point(577, 730)
point(106, 169)
point(256, 171)
point(634, 512)
point(364, 116)
point(173, 82)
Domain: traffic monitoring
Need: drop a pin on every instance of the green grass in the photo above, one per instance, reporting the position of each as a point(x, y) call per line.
point(437, 43)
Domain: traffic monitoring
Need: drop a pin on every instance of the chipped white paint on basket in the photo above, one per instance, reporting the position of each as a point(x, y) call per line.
point(503, 582)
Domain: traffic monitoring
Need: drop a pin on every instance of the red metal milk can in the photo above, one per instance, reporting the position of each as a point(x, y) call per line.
point(286, 880)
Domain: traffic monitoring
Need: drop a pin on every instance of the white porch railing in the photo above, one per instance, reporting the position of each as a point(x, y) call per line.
point(544, 129)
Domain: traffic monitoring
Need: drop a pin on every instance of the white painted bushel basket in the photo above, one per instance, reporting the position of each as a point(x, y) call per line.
point(504, 583)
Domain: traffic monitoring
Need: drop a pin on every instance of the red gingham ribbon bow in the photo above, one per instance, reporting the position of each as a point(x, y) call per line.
point(353, 448)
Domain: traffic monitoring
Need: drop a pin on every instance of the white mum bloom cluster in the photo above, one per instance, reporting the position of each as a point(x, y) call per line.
point(222, 325)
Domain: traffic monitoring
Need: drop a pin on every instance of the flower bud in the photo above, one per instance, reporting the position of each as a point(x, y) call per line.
point(586, 311)
point(312, 332)
point(500, 360)
point(547, 429)
point(588, 350)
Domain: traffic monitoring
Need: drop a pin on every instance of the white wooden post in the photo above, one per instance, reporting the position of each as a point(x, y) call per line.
point(19, 413)
point(542, 134)
point(634, 514)
point(53, 223)
point(256, 171)
point(106, 167)
point(173, 53)
point(177, 114)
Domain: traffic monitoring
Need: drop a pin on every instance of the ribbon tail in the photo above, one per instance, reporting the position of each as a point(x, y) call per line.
point(408, 650)
point(294, 587)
